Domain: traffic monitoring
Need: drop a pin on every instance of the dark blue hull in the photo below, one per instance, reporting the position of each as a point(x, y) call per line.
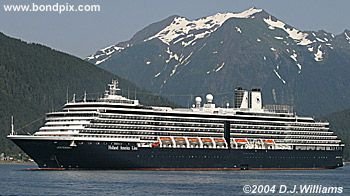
point(107, 155)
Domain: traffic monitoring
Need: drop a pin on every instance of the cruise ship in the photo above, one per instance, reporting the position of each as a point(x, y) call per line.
point(115, 132)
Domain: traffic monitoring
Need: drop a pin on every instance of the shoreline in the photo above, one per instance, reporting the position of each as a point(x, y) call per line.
point(17, 163)
point(2, 162)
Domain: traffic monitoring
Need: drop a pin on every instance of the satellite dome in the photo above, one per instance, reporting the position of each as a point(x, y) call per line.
point(198, 99)
point(209, 98)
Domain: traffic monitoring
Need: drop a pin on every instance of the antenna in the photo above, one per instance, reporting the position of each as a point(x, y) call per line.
point(73, 100)
point(113, 87)
point(128, 93)
point(52, 107)
point(12, 127)
point(85, 96)
point(67, 95)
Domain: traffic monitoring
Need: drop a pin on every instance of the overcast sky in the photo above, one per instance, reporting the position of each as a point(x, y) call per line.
point(81, 34)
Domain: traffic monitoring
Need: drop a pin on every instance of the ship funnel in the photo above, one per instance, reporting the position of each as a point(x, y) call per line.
point(256, 100)
point(248, 99)
point(241, 98)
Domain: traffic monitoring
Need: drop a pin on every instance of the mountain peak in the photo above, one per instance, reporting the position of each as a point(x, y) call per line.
point(181, 28)
point(251, 48)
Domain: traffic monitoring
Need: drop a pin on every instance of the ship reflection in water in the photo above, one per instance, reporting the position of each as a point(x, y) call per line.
point(13, 181)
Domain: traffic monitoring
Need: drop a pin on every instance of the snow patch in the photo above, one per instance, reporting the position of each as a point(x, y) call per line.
point(104, 54)
point(174, 70)
point(278, 75)
point(295, 34)
point(238, 30)
point(320, 40)
point(90, 57)
point(181, 27)
point(103, 60)
point(299, 66)
point(280, 38)
point(181, 59)
point(186, 60)
point(285, 42)
point(319, 54)
point(171, 56)
point(220, 67)
point(347, 37)
point(202, 46)
point(294, 57)
point(157, 75)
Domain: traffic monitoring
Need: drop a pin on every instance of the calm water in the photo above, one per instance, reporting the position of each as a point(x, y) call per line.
point(14, 180)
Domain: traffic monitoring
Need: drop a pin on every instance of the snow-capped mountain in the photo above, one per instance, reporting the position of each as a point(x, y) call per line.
point(182, 58)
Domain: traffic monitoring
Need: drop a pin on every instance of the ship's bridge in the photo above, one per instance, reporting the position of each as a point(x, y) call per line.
point(112, 95)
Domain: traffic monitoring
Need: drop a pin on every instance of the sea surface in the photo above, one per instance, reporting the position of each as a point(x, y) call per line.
point(15, 179)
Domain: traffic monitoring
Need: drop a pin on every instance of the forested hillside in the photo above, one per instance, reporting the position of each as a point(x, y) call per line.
point(35, 79)
point(340, 124)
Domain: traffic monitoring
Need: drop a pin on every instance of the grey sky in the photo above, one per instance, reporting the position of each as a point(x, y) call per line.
point(81, 34)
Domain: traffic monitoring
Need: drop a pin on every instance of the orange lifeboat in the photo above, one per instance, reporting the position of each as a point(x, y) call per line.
point(179, 139)
point(219, 140)
point(165, 140)
point(269, 141)
point(193, 140)
point(206, 140)
point(241, 141)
